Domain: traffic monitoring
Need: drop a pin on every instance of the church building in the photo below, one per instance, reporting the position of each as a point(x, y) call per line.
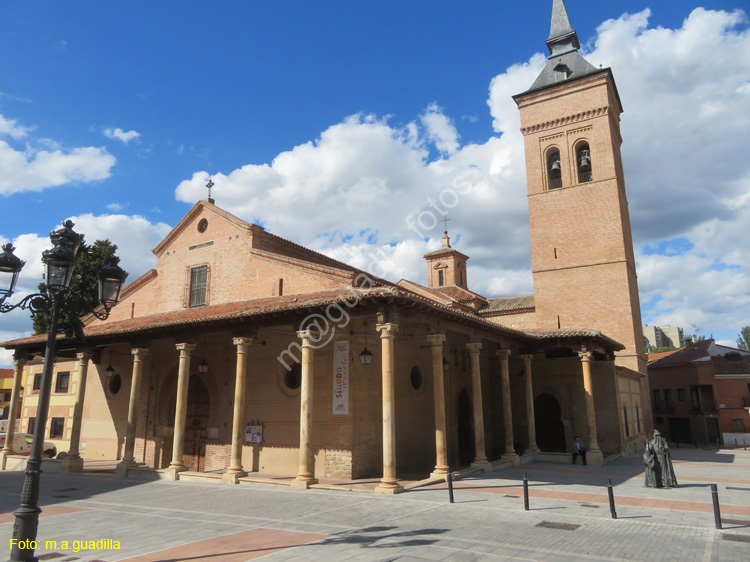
point(243, 352)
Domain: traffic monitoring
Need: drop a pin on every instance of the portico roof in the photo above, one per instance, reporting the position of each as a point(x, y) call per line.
point(157, 324)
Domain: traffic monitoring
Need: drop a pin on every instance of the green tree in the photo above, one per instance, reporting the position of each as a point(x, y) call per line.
point(84, 284)
point(743, 338)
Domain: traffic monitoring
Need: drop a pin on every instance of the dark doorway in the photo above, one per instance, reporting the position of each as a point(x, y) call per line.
point(714, 435)
point(679, 430)
point(550, 433)
point(465, 429)
point(196, 424)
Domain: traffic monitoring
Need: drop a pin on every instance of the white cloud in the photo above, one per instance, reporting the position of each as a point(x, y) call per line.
point(119, 134)
point(686, 125)
point(42, 163)
point(10, 128)
point(440, 129)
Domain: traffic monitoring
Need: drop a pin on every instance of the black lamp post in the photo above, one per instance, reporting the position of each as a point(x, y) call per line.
point(59, 262)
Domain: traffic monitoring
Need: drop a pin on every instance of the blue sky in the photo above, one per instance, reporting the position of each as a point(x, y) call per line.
point(116, 113)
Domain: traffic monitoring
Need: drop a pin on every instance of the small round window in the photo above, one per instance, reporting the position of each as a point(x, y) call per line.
point(202, 225)
point(115, 383)
point(293, 377)
point(416, 378)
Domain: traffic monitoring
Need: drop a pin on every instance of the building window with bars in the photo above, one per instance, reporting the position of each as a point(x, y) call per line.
point(197, 286)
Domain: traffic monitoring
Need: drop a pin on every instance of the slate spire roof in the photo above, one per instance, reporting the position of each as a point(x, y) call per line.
point(564, 63)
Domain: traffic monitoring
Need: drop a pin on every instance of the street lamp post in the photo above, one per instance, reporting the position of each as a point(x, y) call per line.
point(59, 262)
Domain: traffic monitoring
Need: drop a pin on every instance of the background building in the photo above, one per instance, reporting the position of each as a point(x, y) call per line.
point(663, 336)
point(701, 394)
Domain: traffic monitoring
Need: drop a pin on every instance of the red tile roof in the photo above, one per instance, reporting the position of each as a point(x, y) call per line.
point(5, 373)
point(508, 305)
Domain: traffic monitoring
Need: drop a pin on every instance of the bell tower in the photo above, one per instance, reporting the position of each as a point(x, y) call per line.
point(581, 245)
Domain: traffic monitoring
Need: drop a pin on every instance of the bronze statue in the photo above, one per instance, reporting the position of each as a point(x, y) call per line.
point(657, 462)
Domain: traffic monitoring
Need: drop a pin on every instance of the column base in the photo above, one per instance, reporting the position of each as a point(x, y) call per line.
point(389, 488)
point(303, 483)
point(595, 457)
point(233, 477)
point(534, 449)
point(514, 459)
point(123, 466)
point(72, 464)
point(485, 465)
point(173, 472)
point(4, 458)
point(439, 472)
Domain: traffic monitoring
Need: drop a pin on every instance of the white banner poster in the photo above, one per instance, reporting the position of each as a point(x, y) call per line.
point(341, 377)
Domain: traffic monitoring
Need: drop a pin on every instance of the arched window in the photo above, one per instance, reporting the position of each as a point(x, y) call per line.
point(281, 287)
point(554, 169)
point(583, 161)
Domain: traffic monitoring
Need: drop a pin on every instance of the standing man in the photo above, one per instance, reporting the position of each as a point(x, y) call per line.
point(579, 449)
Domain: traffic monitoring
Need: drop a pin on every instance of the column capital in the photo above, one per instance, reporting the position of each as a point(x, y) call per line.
point(387, 330)
point(474, 348)
point(305, 336)
point(585, 356)
point(19, 363)
point(503, 354)
point(139, 352)
point(436, 340)
point(84, 355)
point(184, 347)
point(529, 357)
point(242, 343)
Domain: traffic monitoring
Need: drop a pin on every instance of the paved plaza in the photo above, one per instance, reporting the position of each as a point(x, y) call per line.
point(569, 517)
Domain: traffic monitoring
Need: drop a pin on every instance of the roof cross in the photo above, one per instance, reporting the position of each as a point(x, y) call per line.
point(445, 222)
point(209, 185)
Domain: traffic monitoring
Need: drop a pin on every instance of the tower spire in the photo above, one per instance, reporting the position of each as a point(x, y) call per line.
point(562, 38)
point(564, 62)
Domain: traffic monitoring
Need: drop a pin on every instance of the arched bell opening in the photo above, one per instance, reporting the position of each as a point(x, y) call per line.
point(583, 162)
point(554, 169)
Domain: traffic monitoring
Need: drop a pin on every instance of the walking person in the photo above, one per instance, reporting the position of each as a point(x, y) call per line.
point(579, 449)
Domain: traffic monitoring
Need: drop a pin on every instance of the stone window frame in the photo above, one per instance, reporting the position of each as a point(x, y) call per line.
point(281, 379)
point(61, 388)
point(56, 428)
point(188, 296)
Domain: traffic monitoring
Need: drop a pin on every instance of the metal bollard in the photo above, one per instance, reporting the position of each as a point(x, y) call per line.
point(717, 511)
point(525, 491)
point(611, 499)
point(449, 479)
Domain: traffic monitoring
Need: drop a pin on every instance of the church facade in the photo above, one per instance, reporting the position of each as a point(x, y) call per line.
point(243, 352)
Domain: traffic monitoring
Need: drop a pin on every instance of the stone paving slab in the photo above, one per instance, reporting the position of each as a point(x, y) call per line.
point(202, 520)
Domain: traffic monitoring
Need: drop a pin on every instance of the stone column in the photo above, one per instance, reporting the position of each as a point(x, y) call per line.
point(594, 455)
point(532, 447)
point(73, 462)
point(438, 384)
point(128, 457)
point(510, 453)
point(180, 416)
point(18, 365)
point(305, 474)
point(480, 459)
point(235, 470)
point(389, 483)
